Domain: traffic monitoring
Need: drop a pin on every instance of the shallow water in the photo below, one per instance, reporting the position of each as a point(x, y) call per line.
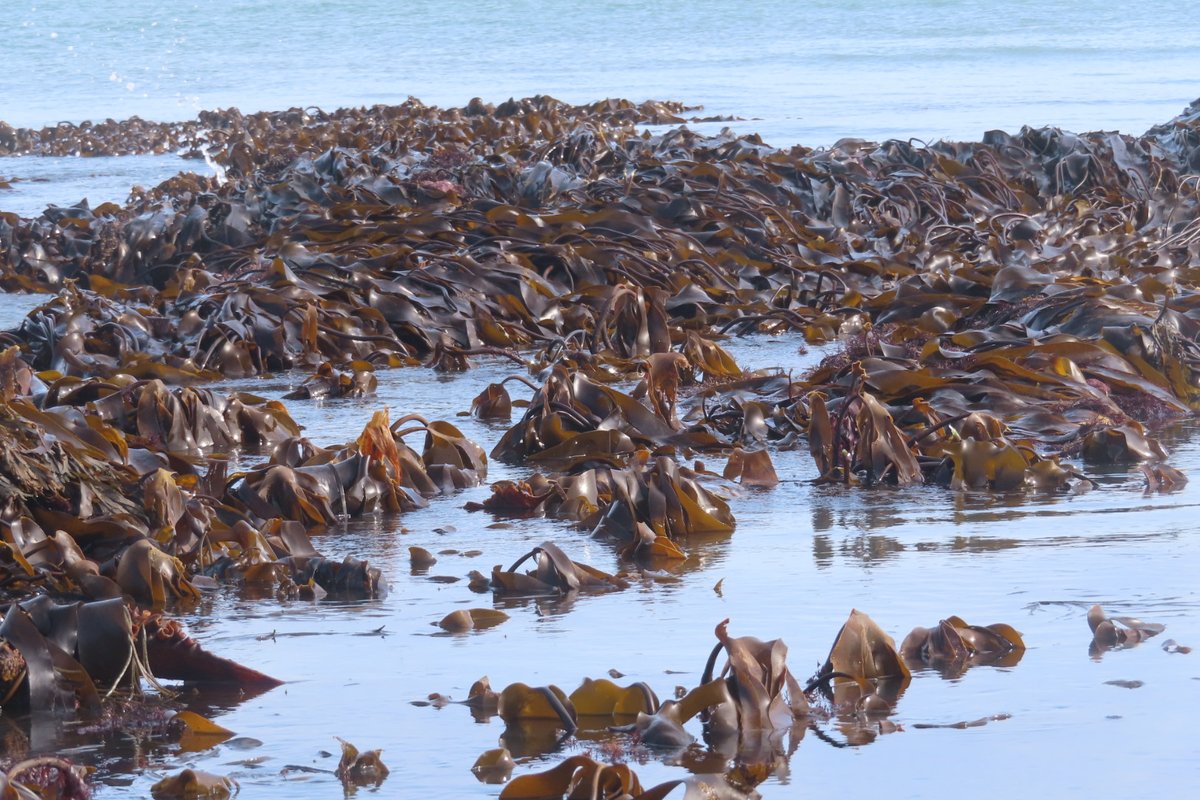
point(802, 556)
point(36, 182)
point(810, 72)
point(14, 308)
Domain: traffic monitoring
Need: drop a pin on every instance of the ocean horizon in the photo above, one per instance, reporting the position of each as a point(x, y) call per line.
point(806, 73)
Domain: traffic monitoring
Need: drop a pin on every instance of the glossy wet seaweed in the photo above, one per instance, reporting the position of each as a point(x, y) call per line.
point(1000, 308)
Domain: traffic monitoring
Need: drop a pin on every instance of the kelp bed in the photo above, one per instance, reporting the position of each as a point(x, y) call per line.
point(999, 318)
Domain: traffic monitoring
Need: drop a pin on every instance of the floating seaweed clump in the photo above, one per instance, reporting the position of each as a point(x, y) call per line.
point(752, 710)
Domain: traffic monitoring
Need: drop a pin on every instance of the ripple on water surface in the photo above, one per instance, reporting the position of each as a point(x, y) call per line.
point(29, 184)
point(801, 558)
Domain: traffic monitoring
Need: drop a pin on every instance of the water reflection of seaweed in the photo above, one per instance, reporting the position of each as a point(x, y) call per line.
point(774, 410)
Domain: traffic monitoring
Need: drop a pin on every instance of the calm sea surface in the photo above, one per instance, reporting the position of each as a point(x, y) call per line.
point(804, 72)
point(802, 556)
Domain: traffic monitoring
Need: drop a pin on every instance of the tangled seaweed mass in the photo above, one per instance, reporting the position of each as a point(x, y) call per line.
point(1001, 305)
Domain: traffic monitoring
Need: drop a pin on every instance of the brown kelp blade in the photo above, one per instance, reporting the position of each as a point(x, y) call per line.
point(494, 766)
point(198, 733)
point(554, 572)
point(600, 780)
point(862, 650)
point(751, 468)
point(472, 619)
point(520, 702)
point(492, 403)
point(954, 645)
point(765, 694)
point(1109, 632)
point(193, 783)
point(176, 656)
point(360, 769)
point(54, 680)
point(602, 697)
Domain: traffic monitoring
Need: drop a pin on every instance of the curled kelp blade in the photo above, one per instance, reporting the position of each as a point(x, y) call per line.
point(53, 678)
point(602, 697)
point(473, 619)
point(953, 646)
point(494, 766)
point(665, 727)
point(577, 773)
point(153, 577)
point(358, 768)
point(519, 702)
point(482, 699)
point(328, 382)
point(1127, 444)
point(192, 783)
point(1163, 478)
point(554, 572)
point(883, 449)
point(492, 403)
point(420, 558)
point(751, 468)
point(709, 358)
point(1117, 632)
point(765, 695)
point(447, 449)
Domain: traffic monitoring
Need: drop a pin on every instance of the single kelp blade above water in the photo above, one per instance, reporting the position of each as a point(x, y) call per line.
point(861, 650)
point(494, 766)
point(472, 619)
point(751, 468)
point(764, 693)
point(864, 676)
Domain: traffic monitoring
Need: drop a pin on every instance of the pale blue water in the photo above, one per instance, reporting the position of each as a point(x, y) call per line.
point(803, 72)
point(810, 72)
point(802, 555)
